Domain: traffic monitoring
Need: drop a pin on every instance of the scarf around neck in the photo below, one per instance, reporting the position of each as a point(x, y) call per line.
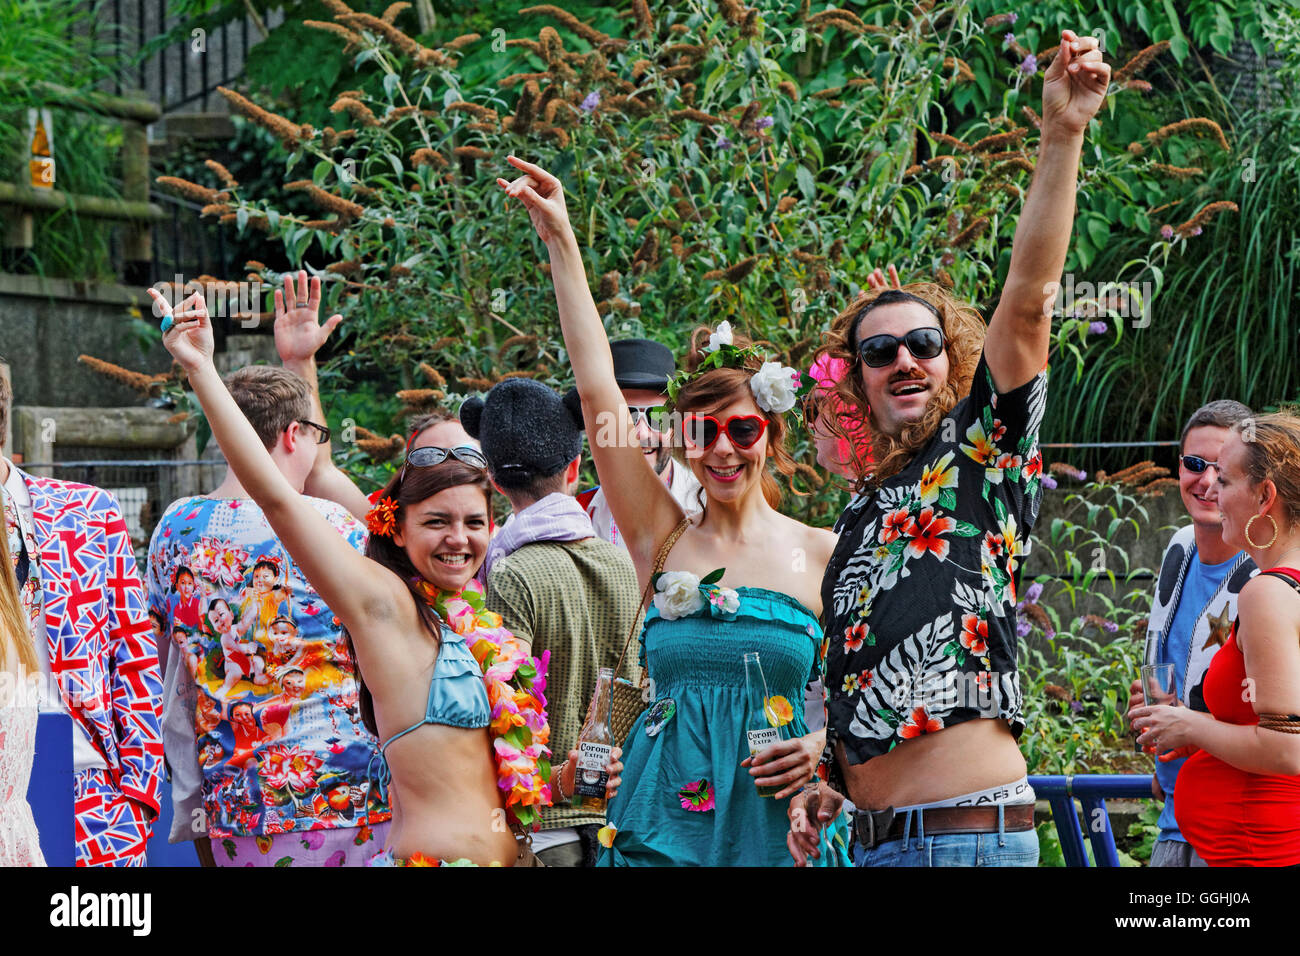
point(557, 517)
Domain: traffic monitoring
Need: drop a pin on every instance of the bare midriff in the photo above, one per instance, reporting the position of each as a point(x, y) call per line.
point(973, 755)
point(446, 804)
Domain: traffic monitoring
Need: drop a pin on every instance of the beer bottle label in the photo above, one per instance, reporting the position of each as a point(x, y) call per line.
point(761, 738)
point(592, 775)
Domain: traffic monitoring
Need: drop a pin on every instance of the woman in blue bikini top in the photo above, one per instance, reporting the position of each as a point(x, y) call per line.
point(429, 702)
point(730, 416)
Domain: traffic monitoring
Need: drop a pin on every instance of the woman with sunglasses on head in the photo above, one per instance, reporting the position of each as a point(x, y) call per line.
point(742, 578)
point(1238, 797)
point(419, 632)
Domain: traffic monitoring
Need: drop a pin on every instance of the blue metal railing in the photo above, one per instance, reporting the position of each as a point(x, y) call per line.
point(1091, 790)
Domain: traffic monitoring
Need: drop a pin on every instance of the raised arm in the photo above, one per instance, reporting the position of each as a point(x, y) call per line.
point(1019, 333)
point(298, 337)
point(641, 504)
point(354, 587)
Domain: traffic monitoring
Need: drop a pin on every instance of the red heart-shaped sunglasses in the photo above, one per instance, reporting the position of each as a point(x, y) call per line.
point(702, 431)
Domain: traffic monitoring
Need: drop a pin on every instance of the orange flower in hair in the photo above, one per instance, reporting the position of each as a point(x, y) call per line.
point(382, 518)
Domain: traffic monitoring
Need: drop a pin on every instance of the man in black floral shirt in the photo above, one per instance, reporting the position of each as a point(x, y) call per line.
point(920, 593)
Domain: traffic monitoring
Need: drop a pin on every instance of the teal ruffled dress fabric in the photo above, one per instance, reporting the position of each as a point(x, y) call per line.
point(697, 662)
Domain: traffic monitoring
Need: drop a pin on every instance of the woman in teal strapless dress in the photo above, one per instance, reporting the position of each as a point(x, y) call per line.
point(742, 578)
point(698, 721)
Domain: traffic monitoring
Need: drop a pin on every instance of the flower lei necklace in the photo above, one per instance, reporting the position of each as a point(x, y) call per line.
point(514, 679)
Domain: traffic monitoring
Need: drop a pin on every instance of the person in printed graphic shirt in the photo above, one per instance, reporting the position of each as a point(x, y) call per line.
point(920, 591)
point(248, 748)
point(186, 613)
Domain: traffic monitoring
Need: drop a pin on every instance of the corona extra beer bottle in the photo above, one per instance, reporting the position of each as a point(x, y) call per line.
point(595, 748)
point(760, 729)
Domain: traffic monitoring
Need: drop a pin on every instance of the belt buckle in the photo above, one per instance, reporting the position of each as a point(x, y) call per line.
point(871, 827)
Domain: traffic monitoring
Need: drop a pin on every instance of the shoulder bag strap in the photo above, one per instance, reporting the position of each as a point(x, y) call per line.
point(660, 558)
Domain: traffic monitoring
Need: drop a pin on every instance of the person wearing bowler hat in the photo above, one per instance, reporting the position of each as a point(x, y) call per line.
point(642, 369)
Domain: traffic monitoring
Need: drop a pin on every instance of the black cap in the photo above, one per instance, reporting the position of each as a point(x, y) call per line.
point(641, 363)
point(526, 429)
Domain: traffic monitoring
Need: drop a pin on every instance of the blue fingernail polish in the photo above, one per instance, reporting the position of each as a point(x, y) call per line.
point(166, 323)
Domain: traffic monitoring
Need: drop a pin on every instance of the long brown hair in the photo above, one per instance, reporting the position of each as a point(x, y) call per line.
point(14, 626)
point(410, 486)
point(963, 333)
point(719, 387)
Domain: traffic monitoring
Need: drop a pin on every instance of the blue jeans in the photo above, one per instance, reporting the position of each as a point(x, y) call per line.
point(950, 849)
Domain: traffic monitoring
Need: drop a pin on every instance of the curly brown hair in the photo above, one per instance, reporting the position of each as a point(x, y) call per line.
point(963, 333)
point(719, 387)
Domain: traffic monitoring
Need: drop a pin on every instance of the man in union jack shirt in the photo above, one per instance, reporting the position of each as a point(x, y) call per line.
point(99, 660)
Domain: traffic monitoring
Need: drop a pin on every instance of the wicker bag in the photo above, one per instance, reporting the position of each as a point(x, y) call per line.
point(629, 700)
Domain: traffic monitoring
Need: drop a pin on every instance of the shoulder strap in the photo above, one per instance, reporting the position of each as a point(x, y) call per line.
point(660, 558)
point(1286, 574)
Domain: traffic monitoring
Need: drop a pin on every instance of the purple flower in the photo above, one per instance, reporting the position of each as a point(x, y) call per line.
point(1098, 328)
point(590, 101)
point(1012, 17)
point(1009, 38)
point(1197, 231)
point(763, 122)
point(1166, 232)
point(1049, 481)
point(1023, 627)
point(1029, 66)
point(1034, 592)
point(1109, 626)
point(723, 143)
point(1076, 707)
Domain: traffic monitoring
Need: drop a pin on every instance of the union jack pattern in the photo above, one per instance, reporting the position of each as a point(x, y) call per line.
point(112, 829)
point(104, 657)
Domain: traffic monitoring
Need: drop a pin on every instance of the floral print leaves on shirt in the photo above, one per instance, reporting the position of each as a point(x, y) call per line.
point(915, 671)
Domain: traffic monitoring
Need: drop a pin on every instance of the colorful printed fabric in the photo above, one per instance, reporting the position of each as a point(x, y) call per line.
point(920, 592)
point(111, 829)
point(339, 847)
point(102, 650)
point(271, 678)
point(386, 858)
point(20, 539)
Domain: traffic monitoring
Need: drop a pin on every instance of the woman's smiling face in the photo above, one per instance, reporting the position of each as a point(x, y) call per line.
point(446, 536)
point(727, 471)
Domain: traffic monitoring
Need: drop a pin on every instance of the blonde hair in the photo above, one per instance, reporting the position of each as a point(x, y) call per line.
point(963, 335)
point(1273, 454)
point(14, 626)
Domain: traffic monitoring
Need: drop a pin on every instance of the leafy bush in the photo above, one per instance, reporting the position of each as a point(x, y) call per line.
point(746, 164)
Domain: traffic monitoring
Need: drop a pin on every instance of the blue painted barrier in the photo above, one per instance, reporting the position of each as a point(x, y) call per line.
point(1091, 790)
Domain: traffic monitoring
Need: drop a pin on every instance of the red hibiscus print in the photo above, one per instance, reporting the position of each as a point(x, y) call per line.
point(1034, 466)
point(919, 723)
point(854, 635)
point(975, 634)
point(894, 526)
point(926, 532)
point(993, 544)
point(999, 430)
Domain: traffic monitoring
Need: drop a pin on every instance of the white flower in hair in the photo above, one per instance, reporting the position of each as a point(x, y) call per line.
point(678, 594)
point(775, 387)
point(719, 338)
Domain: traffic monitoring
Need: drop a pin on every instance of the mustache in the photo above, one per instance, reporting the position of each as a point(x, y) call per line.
point(907, 378)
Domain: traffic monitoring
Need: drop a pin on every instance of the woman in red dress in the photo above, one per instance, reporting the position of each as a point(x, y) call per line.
point(1239, 794)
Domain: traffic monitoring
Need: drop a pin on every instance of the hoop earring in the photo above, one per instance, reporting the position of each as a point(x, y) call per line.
point(1261, 547)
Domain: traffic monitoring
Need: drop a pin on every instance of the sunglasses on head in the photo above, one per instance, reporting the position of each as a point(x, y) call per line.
point(877, 351)
point(431, 455)
point(1196, 464)
point(702, 431)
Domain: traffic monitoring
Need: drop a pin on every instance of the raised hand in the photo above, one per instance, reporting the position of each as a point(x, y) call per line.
point(188, 336)
point(1074, 86)
point(876, 281)
point(298, 332)
point(543, 195)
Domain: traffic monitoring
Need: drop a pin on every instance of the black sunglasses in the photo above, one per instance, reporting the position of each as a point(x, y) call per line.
point(322, 431)
point(1196, 464)
point(431, 455)
point(652, 414)
point(877, 351)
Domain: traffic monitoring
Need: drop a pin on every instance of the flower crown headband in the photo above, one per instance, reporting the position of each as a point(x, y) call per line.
point(777, 388)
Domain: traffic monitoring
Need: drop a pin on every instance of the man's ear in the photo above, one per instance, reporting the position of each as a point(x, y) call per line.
point(572, 471)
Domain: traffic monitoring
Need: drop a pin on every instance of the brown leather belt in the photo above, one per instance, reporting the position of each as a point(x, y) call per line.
point(881, 826)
